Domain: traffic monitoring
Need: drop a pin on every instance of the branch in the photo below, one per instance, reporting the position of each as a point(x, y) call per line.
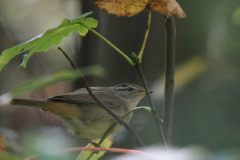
point(138, 60)
point(146, 36)
point(153, 109)
point(120, 120)
point(109, 43)
point(169, 78)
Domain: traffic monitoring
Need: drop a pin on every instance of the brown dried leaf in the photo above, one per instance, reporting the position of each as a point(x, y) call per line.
point(132, 7)
point(122, 7)
point(167, 7)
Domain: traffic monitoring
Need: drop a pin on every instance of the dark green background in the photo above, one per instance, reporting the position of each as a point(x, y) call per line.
point(206, 109)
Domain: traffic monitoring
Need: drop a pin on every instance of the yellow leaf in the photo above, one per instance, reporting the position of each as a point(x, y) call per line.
point(85, 154)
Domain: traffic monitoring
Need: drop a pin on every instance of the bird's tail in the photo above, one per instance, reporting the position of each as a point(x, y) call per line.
point(30, 103)
point(59, 108)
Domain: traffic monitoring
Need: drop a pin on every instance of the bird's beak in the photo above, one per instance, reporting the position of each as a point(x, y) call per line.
point(144, 93)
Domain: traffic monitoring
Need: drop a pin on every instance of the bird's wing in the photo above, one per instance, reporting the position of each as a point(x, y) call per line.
point(82, 96)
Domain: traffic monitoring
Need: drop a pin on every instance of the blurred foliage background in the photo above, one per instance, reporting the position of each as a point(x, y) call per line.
point(206, 110)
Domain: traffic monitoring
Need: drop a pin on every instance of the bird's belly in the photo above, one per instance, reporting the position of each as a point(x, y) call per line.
point(93, 131)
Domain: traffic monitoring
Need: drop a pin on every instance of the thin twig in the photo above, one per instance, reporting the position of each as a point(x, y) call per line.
point(153, 109)
point(146, 36)
point(109, 43)
point(120, 120)
point(169, 78)
point(140, 72)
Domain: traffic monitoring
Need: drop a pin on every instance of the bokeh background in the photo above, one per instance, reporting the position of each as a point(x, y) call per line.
point(206, 107)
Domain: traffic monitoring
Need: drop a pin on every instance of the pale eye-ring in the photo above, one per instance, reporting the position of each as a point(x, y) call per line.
point(129, 89)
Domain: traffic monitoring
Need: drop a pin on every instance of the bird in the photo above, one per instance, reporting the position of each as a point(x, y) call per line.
point(82, 115)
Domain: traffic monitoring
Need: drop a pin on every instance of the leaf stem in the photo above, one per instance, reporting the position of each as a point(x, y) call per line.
point(169, 78)
point(109, 43)
point(120, 120)
point(146, 36)
point(153, 109)
point(113, 126)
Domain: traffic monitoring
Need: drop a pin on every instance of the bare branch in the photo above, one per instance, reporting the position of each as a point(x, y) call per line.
point(169, 78)
point(153, 109)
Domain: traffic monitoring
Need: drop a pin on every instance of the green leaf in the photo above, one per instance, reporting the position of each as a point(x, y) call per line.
point(55, 77)
point(51, 37)
point(85, 154)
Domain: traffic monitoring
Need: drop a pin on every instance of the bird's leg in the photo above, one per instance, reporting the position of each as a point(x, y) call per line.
point(95, 144)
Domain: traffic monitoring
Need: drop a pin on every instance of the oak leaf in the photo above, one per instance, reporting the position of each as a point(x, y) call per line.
point(132, 7)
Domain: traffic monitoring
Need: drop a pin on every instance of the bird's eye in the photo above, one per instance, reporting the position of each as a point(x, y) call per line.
point(129, 89)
